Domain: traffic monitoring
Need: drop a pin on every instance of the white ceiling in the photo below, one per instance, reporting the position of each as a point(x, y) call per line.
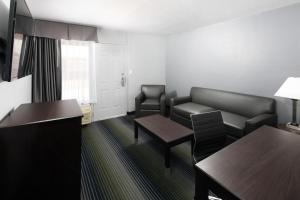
point(150, 16)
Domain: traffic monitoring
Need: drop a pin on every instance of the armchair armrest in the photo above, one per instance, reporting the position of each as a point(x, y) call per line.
point(260, 120)
point(179, 100)
point(140, 97)
point(163, 104)
point(138, 100)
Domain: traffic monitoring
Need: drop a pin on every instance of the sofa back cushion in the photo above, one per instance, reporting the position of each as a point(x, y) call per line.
point(242, 104)
point(153, 91)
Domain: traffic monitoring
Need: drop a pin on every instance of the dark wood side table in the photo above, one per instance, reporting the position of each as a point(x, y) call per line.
point(40, 152)
point(264, 165)
point(285, 128)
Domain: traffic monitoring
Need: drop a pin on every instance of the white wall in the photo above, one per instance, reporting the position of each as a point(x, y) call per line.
point(3, 19)
point(145, 59)
point(14, 93)
point(147, 63)
point(251, 55)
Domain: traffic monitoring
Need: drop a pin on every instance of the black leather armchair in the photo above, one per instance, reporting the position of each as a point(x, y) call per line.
point(151, 100)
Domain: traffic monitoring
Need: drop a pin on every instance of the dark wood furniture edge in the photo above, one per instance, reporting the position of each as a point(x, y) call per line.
point(42, 121)
point(6, 122)
point(213, 185)
point(47, 150)
point(167, 145)
point(175, 142)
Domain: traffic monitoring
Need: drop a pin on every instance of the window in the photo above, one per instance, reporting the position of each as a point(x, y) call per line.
point(78, 71)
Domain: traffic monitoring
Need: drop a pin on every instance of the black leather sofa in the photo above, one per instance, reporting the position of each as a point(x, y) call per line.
point(151, 100)
point(241, 113)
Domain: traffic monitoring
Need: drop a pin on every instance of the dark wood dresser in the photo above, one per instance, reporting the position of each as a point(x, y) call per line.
point(40, 152)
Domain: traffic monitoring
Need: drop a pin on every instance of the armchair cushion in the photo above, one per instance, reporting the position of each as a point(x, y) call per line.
point(153, 91)
point(151, 104)
point(187, 109)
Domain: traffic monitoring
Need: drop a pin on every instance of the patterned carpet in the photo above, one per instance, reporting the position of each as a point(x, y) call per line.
point(115, 166)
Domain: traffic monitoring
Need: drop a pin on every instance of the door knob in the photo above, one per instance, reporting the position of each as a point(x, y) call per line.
point(123, 80)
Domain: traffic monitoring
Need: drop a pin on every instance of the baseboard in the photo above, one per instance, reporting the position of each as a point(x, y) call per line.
point(105, 118)
point(131, 113)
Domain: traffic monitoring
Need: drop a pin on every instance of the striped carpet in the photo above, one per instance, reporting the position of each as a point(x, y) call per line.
point(115, 166)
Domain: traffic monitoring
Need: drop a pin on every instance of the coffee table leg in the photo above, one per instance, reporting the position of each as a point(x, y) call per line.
point(201, 187)
point(167, 157)
point(136, 130)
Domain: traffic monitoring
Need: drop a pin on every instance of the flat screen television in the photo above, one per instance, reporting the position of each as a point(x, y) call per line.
point(5, 34)
point(10, 13)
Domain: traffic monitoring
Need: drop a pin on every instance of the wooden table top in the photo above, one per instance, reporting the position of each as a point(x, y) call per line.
point(42, 112)
point(164, 128)
point(264, 165)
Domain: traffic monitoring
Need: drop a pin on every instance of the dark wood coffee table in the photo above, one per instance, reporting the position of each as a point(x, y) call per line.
point(263, 165)
point(168, 132)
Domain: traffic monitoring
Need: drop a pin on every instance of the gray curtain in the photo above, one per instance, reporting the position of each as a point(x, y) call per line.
point(46, 72)
point(27, 57)
point(24, 25)
point(55, 30)
point(48, 29)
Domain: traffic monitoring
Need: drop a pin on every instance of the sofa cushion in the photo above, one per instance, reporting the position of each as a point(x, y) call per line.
point(185, 110)
point(150, 104)
point(234, 123)
point(242, 104)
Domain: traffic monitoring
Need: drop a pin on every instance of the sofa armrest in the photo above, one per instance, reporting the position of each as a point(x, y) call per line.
point(179, 100)
point(163, 104)
point(260, 120)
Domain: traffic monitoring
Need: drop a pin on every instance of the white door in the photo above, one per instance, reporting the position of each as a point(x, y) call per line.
point(111, 81)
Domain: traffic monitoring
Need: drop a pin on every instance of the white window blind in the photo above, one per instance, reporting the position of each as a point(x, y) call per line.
point(78, 71)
